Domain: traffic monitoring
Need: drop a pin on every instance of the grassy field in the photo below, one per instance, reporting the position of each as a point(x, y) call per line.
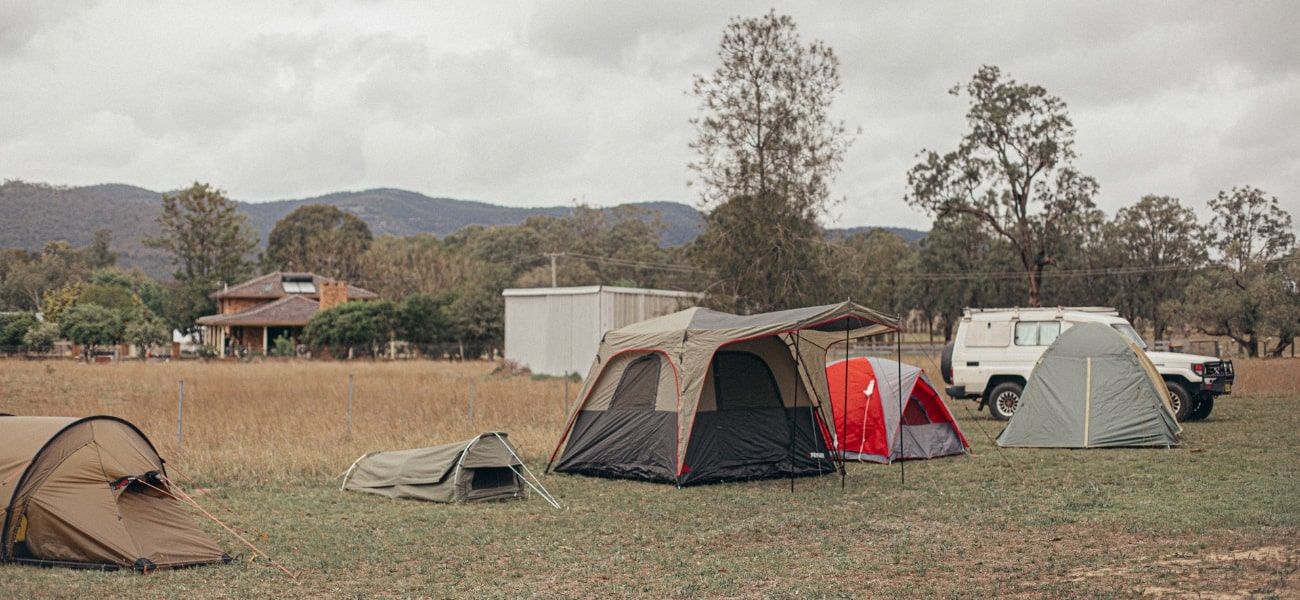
point(265, 442)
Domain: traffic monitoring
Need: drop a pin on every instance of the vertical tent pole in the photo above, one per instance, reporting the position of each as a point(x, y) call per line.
point(836, 433)
point(790, 420)
point(898, 348)
point(816, 416)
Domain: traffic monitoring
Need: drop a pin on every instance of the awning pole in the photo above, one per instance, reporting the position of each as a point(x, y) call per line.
point(839, 440)
point(790, 417)
point(898, 347)
point(539, 488)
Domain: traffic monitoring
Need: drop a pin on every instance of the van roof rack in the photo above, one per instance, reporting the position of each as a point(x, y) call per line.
point(1086, 309)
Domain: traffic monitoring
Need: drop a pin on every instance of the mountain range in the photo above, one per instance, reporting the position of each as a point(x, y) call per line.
point(34, 213)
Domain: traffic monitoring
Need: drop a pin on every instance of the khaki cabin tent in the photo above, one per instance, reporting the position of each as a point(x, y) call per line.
point(1092, 388)
point(91, 493)
point(484, 468)
point(702, 396)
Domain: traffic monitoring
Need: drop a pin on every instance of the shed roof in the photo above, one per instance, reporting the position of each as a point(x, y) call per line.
point(596, 289)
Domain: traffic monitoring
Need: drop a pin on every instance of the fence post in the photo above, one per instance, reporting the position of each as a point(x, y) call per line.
point(472, 390)
point(349, 405)
point(180, 411)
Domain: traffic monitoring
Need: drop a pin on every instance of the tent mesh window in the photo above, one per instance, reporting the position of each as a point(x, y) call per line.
point(743, 381)
point(915, 413)
point(491, 477)
point(638, 386)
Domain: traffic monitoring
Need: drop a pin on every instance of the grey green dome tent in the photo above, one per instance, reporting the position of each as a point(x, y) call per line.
point(702, 396)
point(1092, 388)
point(486, 467)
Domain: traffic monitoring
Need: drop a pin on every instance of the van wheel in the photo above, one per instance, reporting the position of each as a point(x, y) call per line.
point(1003, 400)
point(1203, 408)
point(1179, 400)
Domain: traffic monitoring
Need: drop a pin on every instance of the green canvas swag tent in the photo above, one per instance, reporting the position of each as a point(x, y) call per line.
point(484, 468)
point(91, 493)
point(702, 396)
point(1092, 388)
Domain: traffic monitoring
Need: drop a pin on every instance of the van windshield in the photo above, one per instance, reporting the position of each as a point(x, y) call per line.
point(1130, 333)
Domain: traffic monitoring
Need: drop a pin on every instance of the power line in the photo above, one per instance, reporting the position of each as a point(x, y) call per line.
point(932, 275)
point(1088, 272)
point(639, 264)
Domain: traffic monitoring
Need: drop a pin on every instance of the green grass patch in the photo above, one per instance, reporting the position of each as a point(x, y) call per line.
point(1220, 514)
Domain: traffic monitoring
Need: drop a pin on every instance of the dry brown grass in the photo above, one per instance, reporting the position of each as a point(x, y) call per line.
point(287, 421)
point(278, 421)
point(1271, 378)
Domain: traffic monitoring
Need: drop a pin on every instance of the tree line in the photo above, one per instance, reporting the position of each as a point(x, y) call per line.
point(1014, 223)
point(1014, 219)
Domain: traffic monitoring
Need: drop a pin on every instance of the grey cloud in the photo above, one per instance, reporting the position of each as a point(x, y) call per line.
point(538, 104)
point(21, 22)
point(615, 35)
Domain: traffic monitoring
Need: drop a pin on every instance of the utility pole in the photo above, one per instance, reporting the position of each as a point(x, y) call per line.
point(553, 256)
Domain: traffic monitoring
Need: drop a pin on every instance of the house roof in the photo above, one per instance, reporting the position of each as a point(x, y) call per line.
point(271, 285)
point(292, 310)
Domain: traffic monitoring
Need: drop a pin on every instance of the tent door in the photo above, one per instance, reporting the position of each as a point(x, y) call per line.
point(491, 477)
point(749, 432)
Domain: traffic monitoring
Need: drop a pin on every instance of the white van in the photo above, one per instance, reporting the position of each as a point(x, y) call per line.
point(995, 349)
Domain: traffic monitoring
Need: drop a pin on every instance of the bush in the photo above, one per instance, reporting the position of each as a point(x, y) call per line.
point(282, 346)
point(41, 338)
point(91, 325)
point(14, 326)
point(353, 326)
point(422, 321)
point(146, 330)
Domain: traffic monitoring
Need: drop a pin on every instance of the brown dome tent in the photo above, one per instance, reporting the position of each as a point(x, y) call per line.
point(90, 493)
point(702, 396)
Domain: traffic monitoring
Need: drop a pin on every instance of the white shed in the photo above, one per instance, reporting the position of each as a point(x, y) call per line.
point(554, 331)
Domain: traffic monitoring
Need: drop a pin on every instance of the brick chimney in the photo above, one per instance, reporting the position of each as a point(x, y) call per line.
point(332, 293)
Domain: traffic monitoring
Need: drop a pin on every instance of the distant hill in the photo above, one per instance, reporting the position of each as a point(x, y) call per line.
point(400, 212)
point(33, 213)
point(910, 236)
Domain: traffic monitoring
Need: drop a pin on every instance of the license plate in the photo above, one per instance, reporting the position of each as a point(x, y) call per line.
point(1227, 388)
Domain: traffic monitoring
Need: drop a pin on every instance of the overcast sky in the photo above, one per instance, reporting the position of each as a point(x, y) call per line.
point(541, 104)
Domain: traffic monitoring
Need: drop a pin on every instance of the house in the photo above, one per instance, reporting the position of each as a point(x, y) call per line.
point(251, 315)
point(557, 331)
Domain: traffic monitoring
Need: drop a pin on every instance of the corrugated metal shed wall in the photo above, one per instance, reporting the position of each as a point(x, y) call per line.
point(554, 334)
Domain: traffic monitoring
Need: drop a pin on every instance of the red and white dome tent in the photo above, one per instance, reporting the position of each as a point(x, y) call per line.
point(868, 424)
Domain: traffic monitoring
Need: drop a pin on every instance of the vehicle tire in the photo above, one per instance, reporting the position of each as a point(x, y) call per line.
point(1203, 408)
point(1181, 400)
point(1003, 399)
point(945, 363)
